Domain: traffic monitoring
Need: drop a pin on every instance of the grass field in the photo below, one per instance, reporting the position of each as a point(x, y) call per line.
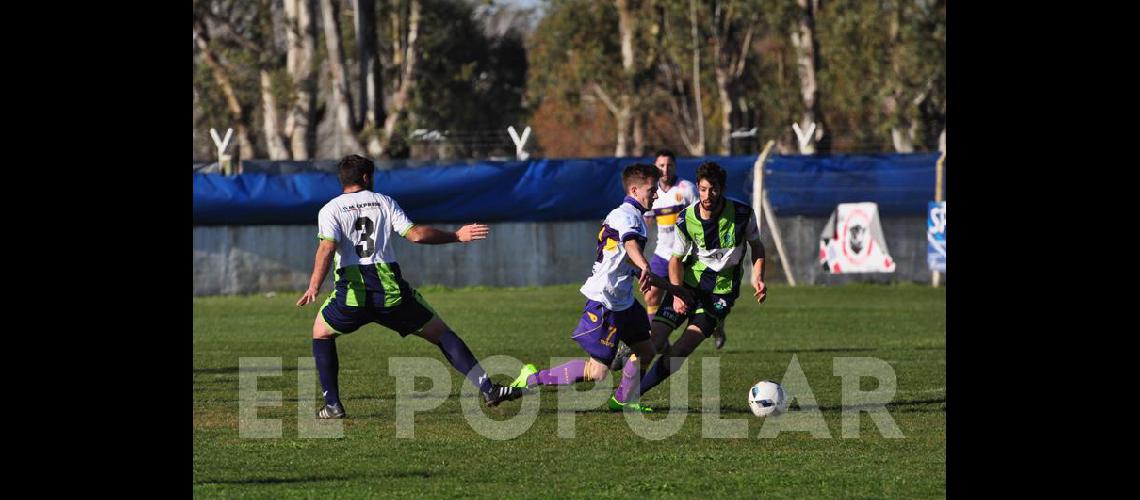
point(903, 325)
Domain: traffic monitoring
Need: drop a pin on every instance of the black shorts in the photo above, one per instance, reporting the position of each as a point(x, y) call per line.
point(707, 314)
point(407, 317)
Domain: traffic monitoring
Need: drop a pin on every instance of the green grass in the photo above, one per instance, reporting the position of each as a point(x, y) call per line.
point(903, 325)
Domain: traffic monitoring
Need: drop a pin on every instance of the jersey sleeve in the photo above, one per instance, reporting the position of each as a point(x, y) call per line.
point(693, 194)
point(626, 226)
point(751, 230)
point(400, 222)
point(327, 227)
point(681, 242)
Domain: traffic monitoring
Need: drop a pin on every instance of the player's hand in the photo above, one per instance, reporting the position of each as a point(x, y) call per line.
point(309, 296)
point(472, 232)
point(643, 281)
point(761, 291)
point(679, 305)
point(683, 293)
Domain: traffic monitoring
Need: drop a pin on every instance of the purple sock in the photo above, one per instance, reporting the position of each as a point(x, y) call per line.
point(630, 376)
point(565, 374)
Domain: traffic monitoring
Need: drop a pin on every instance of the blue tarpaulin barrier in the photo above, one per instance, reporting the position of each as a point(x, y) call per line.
point(567, 189)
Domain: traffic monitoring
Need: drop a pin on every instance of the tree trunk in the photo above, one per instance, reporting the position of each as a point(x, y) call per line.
point(371, 96)
point(274, 142)
point(640, 122)
point(341, 97)
point(725, 98)
point(245, 148)
point(301, 37)
point(700, 119)
point(730, 57)
point(803, 39)
point(371, 88)
point(623, 125)
point(626, 27)
point(401, 102)
point(895, 103)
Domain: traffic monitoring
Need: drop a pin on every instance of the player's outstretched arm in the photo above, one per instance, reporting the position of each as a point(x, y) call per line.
point(676, 278)
point(427, 235)
point(645, 277)
point(320, 268)
point(757, 249)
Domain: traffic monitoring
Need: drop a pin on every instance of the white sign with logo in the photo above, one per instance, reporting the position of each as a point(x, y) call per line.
point(853, 242)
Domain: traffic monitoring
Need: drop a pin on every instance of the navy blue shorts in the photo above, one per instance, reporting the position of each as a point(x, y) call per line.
point(600, 329)
point(407, 317)
point(707, 314)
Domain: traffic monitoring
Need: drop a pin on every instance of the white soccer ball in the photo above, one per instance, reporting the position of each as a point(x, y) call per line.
point(767, 398)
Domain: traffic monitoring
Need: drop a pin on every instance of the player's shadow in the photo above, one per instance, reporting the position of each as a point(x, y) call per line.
point(905, 406)
point(226, 370)
point(277, 480)
point(835, 349)
point(822, 349)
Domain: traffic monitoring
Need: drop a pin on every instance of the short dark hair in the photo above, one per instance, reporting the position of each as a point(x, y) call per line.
point(665, 152)
point(712, 172)
point(639, 172)
point(352, 168)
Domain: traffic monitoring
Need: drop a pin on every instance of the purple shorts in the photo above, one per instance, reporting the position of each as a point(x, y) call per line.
point(600, 329)
point(659, 266)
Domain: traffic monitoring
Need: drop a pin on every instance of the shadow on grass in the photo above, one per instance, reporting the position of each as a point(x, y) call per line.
point(276, 480)
point(834, 349)
point(234, 370)
point(912, 405)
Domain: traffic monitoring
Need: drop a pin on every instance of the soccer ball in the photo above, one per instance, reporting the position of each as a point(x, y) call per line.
point(767, 398)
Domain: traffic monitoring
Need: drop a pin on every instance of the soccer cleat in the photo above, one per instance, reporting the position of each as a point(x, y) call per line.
point(620, 358)
point(524, 374)
point(500, 393)
point(332, 411)
point(615, 405)
point(718, 336)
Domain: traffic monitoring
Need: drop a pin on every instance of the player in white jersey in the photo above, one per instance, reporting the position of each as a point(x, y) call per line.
point(357, 227)
point(612, 314)
point(673, 195)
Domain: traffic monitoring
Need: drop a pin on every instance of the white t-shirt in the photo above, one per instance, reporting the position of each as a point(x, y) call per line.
point(666, 208)
point(362, 224)
point(612, 280)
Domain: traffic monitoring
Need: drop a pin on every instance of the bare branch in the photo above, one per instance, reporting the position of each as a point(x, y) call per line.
point(605, 98)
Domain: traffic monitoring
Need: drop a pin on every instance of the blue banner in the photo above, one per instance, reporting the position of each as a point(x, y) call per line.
point(936, 236)
point(566, 189)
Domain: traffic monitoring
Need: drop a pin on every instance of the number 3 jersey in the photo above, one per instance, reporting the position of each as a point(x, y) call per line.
point(611, 282)
point(362, 224)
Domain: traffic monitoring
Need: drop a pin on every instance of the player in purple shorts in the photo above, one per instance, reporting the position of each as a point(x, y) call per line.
point(673, 195)
point(612, 314)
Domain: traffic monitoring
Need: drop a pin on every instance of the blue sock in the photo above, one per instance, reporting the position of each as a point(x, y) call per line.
point(324, 353)
point(461, 358)
point(658, 373)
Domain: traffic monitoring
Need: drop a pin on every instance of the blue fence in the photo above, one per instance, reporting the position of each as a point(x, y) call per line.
point(567, 189)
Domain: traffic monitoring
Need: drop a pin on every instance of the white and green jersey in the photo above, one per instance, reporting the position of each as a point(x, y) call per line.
point(362, 225)
point(712, 250)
